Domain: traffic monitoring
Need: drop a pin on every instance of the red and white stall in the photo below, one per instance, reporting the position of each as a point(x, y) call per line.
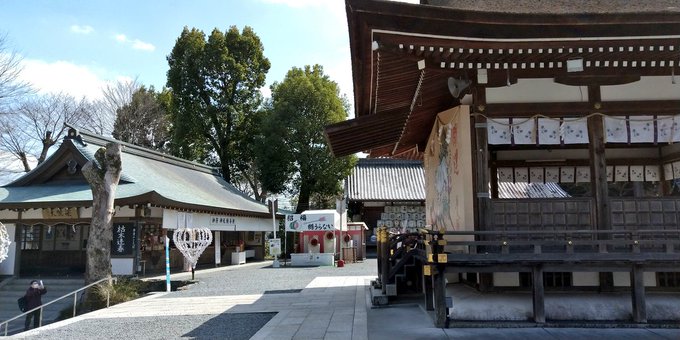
point(319, 230)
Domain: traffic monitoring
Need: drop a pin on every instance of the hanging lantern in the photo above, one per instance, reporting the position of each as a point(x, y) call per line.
point(191, 242)
point(4, 242)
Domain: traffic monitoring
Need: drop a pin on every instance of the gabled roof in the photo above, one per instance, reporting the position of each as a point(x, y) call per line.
point(386, 180)
point(148, 177)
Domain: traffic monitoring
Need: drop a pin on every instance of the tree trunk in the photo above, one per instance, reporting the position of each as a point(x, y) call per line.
point(46, 144)
point(24, 161)
point(103, 176)
point(303, 198)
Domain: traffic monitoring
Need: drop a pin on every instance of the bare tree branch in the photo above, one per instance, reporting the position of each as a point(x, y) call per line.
point(11, 87)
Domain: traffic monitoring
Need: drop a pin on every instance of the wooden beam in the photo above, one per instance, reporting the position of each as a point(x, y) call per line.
point(597, 80)
point(538, 294)
point(637, 288)
point(579, 109)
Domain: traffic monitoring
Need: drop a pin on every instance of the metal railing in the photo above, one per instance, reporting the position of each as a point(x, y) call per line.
point(75, 303)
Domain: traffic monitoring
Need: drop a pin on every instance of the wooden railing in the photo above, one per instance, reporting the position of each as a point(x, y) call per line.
point(635, 251)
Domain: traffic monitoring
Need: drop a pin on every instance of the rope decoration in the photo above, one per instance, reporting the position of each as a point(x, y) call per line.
point(191, 242)
point(4, 242)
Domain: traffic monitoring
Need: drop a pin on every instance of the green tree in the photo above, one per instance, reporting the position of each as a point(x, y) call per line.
point(293, 151)
point(216, 85)
point(145, 121)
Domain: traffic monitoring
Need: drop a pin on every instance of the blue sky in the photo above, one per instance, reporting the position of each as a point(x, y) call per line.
point(76, 46)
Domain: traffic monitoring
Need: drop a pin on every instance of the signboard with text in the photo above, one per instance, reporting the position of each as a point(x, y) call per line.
point(124, 239)
point(275, 246)
point(312, 222)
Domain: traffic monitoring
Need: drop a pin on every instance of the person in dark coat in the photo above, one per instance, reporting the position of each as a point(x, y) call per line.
point(33, 300)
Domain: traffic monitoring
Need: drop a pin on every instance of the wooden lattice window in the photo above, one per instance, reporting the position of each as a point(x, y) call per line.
point(30, 237)
point(557, 279)
point(550, 279)
point(668, 279)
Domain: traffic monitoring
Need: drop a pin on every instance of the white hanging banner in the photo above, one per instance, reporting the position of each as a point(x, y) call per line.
point(552, 175)
point(567, 174)
point(521, 175)
point(524, 131)
point(637, 173)
point(505, 175)
point(652, 173)
point(615, 129)
point(498, 131)
point(548, 131)
point(575, 131)
point(621, 173)
point(641, 129)
point(536, 175)
point(582, 174)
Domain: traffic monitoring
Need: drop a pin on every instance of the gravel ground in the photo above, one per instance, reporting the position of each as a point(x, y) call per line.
point(224, 326)
point(258, 279)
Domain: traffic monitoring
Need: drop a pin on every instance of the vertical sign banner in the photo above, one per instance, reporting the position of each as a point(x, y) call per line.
point(124, 239)
point(275, 246)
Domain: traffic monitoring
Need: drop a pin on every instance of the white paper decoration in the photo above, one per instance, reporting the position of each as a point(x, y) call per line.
point(536, 175)
point(574, 131)
point(191, 242)
point(567, 175)
point(552, 175)
point(668, 171)
point(524, 131)
point(621, 173)
point(498, 131)
point(610, 173)
point(505, 175)
point(615, 129)
point(582, 174)
point(651, 173)
point(637, 173)
point(521, 175)
point(548, 131)
point(4, 242)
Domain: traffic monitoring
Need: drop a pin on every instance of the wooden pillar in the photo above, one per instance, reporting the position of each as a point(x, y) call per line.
point(483, 178)
point(598, 166)
point(538, 294)
point(637, 288)
point(385, 266)
point(439, 292)
point(598, 176)
point(428, 290)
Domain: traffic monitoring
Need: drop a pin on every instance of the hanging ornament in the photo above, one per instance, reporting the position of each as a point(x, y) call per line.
point(191, 242)
point(4, 242)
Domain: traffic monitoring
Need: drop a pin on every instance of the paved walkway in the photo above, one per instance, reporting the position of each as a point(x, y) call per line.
point(327, 307)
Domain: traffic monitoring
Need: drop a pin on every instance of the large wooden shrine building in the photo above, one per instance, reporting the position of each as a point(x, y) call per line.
point(580, 94)
point(48, 212)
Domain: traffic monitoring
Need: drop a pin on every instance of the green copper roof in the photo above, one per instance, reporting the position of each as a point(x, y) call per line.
point(147, 177)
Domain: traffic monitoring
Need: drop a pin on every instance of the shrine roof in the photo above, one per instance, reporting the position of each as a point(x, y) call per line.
point(148, 177)
point(386, 180)
point(404, 55)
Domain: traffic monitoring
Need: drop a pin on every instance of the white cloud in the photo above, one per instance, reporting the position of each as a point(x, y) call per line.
point(87, 29)
point(135, 43)
point(120, 38)
point(62, 76)
point(144, 46)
